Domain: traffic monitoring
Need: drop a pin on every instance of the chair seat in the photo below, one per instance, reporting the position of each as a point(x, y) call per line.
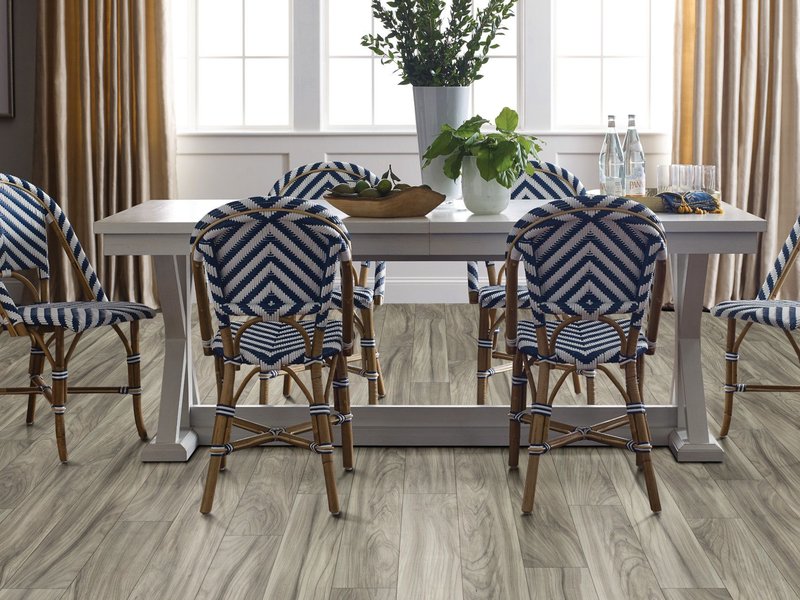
point(494, 296)
point(777, 313)
point(273, 345)
point(362, 297)
point(585, 344)
point(80, 316)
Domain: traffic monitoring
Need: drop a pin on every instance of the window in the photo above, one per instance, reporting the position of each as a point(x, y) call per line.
point(232, 63)
point(563, 64)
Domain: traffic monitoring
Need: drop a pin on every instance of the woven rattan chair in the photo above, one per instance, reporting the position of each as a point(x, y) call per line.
point(311, 182)
point(272, 261)
point(547, 182)
point(28, 218)
point(588, 263)
point(766, 309)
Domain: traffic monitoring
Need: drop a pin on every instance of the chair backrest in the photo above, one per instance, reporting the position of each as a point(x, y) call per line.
point(548, 182)
point(27, 214)
point(782, 265)
point(588, 257)
point(270, 257)
point(310, 182)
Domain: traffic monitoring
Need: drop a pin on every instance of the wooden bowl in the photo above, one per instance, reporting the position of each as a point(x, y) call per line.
point(411, 202)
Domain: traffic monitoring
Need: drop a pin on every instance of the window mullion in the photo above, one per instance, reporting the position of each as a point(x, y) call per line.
point(306, 64)
point(536, 52)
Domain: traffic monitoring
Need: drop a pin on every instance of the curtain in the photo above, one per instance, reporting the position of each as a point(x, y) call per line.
point(104, 131)
point(736, 106)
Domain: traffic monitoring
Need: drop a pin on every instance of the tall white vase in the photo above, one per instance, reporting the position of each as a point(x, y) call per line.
point(434, 107)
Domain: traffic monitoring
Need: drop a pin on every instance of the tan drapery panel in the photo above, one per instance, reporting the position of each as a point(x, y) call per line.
point(104, 138)
point(736, 106)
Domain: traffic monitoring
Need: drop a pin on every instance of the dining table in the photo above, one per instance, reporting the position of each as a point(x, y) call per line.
point(161, 229)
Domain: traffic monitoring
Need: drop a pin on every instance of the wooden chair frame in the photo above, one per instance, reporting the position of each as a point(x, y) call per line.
point(540, 422)
point(318, 396)
point(48, 343)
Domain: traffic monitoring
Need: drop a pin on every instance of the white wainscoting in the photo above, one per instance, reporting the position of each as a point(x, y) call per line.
point(225, 165)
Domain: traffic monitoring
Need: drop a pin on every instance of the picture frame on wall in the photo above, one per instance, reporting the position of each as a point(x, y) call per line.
point(6, 59)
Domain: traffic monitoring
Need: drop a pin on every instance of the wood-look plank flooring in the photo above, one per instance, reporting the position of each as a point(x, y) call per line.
point(418, 523)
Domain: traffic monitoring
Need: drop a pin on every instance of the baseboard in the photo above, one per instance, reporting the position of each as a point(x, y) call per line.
point(425, 290)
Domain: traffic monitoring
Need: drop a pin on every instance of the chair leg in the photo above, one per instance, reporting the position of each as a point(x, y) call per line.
point(731, 377)
point(287, 386)
point(35, 369)
point(590, 386)
point(519, 385)
point(321, 425)
point(640, 375)
point(219, 370)
point(540, 425)
point(135, 381)
point(484, 353)
point(219, 439)
point(576, 382)
point(369, 353)
point(640, 434)
point(341, 402)
point(263, 390)
point(381, 383)
point(59, 405)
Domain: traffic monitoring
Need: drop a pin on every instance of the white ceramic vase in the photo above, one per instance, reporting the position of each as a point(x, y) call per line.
point(480, 196)
point(434, 107)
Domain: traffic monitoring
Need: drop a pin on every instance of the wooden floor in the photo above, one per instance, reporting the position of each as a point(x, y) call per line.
point(417, 523)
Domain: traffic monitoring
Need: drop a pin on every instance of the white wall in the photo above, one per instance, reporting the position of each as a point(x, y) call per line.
point(238, 165)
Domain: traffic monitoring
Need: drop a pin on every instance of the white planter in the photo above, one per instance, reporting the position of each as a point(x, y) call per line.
point(434, 107)
point(480, 196)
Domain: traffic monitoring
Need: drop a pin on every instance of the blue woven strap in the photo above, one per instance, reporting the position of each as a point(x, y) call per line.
point(60, 375)
point(737, 387)
point(59, 409)
point(537, 449)
point(132, 359)
point(267, 375)
point(518, 416)
point(371, 375)
point(223, 450)
point(485, 343)
point(635, 408)
point(226, 411)
point(321, 448)
point(639, 446)
point(368, 343)
point(37, 351)
point(731, 356)
point(319, 410)
point(342, 418)
point(134, 391)
point(341, 383)
point(541, 409)
point(485, 374)
point(519, 380)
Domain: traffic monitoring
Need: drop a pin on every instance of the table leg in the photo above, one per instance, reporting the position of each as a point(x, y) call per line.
point(691, 441)
point(175, 441)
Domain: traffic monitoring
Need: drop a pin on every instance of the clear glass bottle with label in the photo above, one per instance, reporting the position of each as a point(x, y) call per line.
point(633, 155)
point(611, 162)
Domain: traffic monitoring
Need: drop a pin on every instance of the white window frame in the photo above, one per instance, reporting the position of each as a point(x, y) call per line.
point(308, 60)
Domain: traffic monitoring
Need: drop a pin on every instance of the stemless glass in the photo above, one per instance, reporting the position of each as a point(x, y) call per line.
point(709, 178)
point(686, 174)
point(674, 178)
point(662, 179)
point(697, 177)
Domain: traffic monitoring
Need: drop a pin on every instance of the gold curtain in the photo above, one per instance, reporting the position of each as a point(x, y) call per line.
point(736, 106)
point(104, 132)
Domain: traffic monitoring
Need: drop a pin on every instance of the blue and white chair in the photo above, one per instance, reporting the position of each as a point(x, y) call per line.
point(548, 183)
point(589, 264)
point(312, 182)
point(766, 309)
point(28, 218)
point(271, 262)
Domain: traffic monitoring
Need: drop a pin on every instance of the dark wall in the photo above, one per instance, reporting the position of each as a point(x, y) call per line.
point(16, 135)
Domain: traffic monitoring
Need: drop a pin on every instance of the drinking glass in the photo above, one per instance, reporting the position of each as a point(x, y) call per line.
point(662, 179)
point(686, 175)
point(709, 183)
point(674, 178)
point(697, 177)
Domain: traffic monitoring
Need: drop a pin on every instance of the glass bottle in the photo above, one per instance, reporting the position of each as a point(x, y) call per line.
point(611, 163)
point(633, 155)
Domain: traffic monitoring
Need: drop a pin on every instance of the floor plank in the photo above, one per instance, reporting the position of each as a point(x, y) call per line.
point(430, 471)
point(370, 546)
point(561, 584)
point(362, 594)
point(583, 477)
point(430, 561)
point(240, 570)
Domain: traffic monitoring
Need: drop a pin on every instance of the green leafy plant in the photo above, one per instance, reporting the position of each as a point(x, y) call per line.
point(501, 155)
point(428, 53)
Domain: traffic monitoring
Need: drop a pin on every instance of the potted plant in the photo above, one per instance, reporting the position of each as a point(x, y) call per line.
point(439, 59)
point(490, 162)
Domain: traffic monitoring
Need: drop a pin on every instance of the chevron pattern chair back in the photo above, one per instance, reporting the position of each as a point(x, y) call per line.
point(26, 214)
point(782, 266)
point(311, 181)
point(588, 257)
point(548, 182)
point(270, 257)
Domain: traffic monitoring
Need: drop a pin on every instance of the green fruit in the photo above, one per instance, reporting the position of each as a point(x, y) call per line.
point(369, 193)
point(384, 186)
point(425, 186)
point(401, 186)
point(361, 185)
point(343, 188)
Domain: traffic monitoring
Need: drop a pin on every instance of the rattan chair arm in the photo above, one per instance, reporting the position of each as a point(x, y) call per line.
point(203, 308)
point(656, 303)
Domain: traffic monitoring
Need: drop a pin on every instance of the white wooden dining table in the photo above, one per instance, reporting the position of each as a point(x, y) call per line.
point(161, 229)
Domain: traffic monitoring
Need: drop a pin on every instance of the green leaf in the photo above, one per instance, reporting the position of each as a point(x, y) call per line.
point(471, 126)
point(504, 155)
point(507, 120)
point(452, 165)
point(485, 163)
point(443, 145)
